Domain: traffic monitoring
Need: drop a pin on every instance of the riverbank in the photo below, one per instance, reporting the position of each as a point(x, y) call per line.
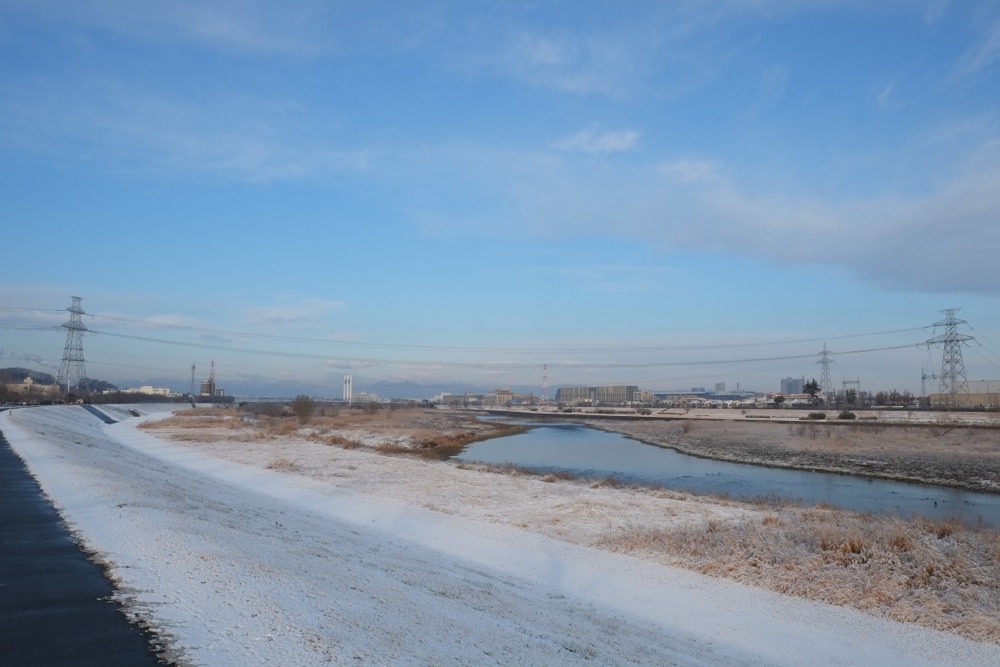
point(959, 456)
point(937, 574)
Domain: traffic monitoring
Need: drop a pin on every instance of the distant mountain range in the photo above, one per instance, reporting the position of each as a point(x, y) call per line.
point(262, 388)
point(259, 388)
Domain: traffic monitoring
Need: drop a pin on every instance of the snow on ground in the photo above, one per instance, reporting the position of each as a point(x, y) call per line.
point(238, 564)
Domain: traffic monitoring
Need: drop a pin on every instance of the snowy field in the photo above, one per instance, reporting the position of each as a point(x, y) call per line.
point(236, 564)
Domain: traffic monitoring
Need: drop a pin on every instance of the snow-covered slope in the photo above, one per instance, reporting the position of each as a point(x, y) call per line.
point(240, 565)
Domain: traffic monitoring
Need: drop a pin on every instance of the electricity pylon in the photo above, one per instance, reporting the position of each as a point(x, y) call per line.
point(825, 383)
point(72, 370)
point(952, 378)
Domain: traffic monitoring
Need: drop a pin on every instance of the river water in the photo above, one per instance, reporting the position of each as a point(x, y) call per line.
point(590, 453)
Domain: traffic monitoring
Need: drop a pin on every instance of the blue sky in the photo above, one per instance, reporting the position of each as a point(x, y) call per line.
point(662, 194)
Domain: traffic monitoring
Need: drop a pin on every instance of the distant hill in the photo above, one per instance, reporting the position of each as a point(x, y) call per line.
point(14, 375)
point(17, 375)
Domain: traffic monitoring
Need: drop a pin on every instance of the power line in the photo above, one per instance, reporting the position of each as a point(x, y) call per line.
point(458, 348)
point(309, 355)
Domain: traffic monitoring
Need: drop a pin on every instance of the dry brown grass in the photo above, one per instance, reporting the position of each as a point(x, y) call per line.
point(282, 464)
point(198, 418)
point(939, 574)
point(430, 434)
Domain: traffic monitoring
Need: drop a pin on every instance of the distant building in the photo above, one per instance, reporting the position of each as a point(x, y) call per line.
point(149, 390)
point(29, 387)
point(498, 398)
point(574, 395)
point(720, 387)
point(468, 399)
point(792, 386)
point(615, 394)
point(607, 394)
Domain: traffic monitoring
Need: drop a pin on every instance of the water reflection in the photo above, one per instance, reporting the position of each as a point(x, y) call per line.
point(590, 453)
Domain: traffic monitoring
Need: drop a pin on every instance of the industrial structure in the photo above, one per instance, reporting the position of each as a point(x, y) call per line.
point(72, 372)
point(208, 387)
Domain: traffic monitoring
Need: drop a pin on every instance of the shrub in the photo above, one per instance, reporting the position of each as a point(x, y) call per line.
point(817, 415)
point(303, 407)
point(846, 414)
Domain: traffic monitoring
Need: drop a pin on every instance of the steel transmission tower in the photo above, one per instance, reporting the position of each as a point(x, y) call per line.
point(952, 378)
point(825, 383)
point(72, 371)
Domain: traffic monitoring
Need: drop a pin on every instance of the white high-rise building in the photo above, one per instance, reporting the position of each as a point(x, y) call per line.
point(348, 380)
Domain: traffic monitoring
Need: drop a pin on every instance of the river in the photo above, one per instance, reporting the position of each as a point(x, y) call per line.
point(587, 452)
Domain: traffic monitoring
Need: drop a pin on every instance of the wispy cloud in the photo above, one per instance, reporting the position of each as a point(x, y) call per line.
point(935, 9)
point(238, 26)
point(307, 309)
point(981, 56)
point(691, 170)
point(568, 62)
point(613, 278)
point(594, 141)
point(125, 127)
point(172, 321)
point(884, 98)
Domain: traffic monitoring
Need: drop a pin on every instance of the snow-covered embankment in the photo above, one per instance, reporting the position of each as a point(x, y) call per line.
point(242, 565)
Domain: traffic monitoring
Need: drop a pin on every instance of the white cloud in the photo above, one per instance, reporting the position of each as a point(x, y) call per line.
point(896, 239)
point(593, 141)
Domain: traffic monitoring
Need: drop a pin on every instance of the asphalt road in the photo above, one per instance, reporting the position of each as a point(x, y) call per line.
point(54, 602)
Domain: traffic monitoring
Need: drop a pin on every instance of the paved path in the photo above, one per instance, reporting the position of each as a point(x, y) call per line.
point(53, 600)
